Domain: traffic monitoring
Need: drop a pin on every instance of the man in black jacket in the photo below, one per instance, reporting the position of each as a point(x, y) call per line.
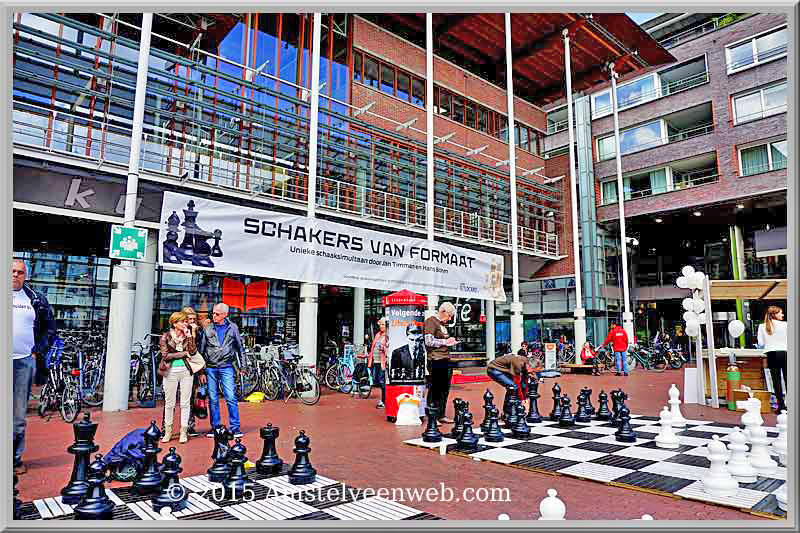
point(34, 329)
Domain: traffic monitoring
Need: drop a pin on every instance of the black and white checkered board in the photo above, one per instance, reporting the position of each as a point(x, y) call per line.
point(590, 451)
point(273, 498)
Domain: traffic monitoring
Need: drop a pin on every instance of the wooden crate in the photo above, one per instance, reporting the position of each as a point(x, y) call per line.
point(750, 368)
point(762, 395)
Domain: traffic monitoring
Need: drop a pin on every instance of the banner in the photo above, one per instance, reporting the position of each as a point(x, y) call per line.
point(405, 354)
point(203, 234)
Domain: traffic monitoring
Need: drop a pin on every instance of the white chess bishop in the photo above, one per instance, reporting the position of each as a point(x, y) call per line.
point(719, 481)
point(759, 452)
point(551, 508)
point(674, 401)
point(667, 437)
point(779, 445)
point(739, 463)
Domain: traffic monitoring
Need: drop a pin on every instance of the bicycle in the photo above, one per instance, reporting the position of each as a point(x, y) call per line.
point(361, 380)
point(565, 354)
point(246, 374)
point(143, 362)
point(60, 384)
point(328, 358)
point(301, 381)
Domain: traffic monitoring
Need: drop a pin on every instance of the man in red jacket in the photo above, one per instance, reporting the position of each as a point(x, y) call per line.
point(619, 338)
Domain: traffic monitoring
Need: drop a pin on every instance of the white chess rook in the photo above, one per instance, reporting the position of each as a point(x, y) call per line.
point(667, 437)
point(739, 463)
point(719, 481)
point(551, 508)
point(780, 445)
point(759, 452)
point(674, 401)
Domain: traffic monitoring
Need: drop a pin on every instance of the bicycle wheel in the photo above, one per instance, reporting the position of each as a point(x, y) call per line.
point(46, 399)
point(345, 379)
point(308, 386)
point(246, 382)
point(631, 360)
point(332, 377)
point(271, 384)
point(658, 363)
point(93, 385)
point(675, 360)
point(70, 402)
point(144, 390)
point(362, 381)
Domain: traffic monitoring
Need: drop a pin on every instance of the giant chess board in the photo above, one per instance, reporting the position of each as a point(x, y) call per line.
point(273, 498)
point(590, 451)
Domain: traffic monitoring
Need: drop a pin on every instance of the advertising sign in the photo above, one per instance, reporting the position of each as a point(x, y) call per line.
point(405, 356)
point(550, 356)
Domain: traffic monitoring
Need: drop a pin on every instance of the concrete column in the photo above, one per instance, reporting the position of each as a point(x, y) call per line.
point(309, 304)
point(123, 277)
point(430, 204)
point(739, 271)
point(358, 315)
point(433, 305)
point(145, 287)
point(490, 331)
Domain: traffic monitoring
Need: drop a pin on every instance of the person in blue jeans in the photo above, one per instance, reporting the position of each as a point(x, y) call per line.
point(34, 329)
point(619, 341)
point(511, 371)
point(219, 342)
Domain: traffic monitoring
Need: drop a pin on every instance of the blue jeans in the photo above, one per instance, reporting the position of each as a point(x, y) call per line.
point(23, 380)
point(502, 378)
point(623, 357)
point(224, 375)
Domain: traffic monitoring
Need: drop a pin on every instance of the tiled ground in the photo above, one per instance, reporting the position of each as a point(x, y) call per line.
point(352, 443)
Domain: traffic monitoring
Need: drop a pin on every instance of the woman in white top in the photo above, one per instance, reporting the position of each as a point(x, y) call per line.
point(772, 336)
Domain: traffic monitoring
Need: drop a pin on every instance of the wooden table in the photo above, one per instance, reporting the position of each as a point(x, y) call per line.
point(751, 365)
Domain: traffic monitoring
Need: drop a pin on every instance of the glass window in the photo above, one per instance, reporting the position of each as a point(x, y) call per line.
point(418, 92)
point(403, 86)
point(458, 109)
point(483, 119)
point(370, 72)
point(609, 191)
point(775, 99)
point(636, 92)
point(504, 129)
point(522, 141)
point(357, 66)
point(387, 79)
point(470, 114)
point(755, 160)
point(605, 148)
point(778, 151)
point(740, 55)
point(771, 45)
point(602, 103)
point(641, 137)
point(658, 181)
point(747, 107)
point(444, 103)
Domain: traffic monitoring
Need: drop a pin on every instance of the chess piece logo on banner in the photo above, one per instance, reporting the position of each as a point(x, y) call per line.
point(194, 248)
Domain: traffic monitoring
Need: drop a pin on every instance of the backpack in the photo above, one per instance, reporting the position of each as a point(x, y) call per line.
point(200, 407)
point(126, 458)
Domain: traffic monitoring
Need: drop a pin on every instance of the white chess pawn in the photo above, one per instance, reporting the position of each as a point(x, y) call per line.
point(781, 496)
point(779, 445)
point(646, 517)
point(739, 464)
point(503, 517)
point(667, 437)
point(719, 481)
point(674, 401)
point(551, 508)
point(759, 452)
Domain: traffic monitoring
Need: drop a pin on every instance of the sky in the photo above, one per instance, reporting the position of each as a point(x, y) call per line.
point(640, 18)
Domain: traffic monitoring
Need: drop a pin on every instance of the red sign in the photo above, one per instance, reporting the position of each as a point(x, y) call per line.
point(405, 297)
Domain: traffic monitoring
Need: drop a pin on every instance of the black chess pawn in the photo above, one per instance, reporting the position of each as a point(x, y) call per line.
point(494, 433)
point(82, 449)
point(301, 472)
point(96, 505)
point(582, 416)
point(555, 414)
point(512, 417)
point(237, 481)
point(431, 433)
point(219, 470)
point(566, 419)
point(269, 463)
point(533, 408)
point(625, 433)
point(149, 480)
point(602, 412)
point(589, 407)
point(172, 494)
point(170, 245)
point(216, 251)
point(520, 430)
point(467, 440)
point(488, 397)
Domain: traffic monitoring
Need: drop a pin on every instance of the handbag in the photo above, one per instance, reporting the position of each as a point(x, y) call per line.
point(196, 362)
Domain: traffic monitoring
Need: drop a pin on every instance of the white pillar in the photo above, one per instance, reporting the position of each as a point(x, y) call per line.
point(712, 358)
point(145, 286)
point(490, 330)
point(309, 304)
point(627, 315)
point(123, 277)
point(516, 304)
point(580, 312)
point(358, 315)
point(430, 205)
point(433, 306)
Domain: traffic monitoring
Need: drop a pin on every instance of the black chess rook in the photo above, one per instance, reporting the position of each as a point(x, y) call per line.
point(431, 433)
point(269, 463)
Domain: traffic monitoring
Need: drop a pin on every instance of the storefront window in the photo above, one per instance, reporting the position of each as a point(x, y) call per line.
point(467, 326)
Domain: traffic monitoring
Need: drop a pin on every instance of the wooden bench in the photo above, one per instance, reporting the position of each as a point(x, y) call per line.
point(573, 368)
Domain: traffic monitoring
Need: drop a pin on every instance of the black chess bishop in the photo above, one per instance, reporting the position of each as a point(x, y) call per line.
point(82, 449)
point(488, 398)
point(555, 414)
point(172, 494)
point(96, 505)
point(533, 408)
point(301, 472)
point(269, 463)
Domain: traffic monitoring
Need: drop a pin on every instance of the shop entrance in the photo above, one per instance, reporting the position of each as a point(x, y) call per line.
point(334, 317)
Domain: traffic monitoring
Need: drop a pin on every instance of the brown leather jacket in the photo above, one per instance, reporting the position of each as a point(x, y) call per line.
point(169, 352)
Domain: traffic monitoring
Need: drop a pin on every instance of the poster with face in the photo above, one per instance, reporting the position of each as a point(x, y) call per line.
point(406, 353)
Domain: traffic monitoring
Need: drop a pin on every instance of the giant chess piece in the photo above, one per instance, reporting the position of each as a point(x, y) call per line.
point(507, 402)
point(555, 414)
point(719, 481)
point(602, 412)
point(739, 463)
point(467, 440)
point(782, 496)
point(494, 433)
point(512, 417)
point(269, 463)
point(431, 433)
point(149, 481)
point(488, 398)
point(172, 252)
point(186, 248)
point(589, 407)
point(666, 438)
point(219, 470)
point(552, 508)
point(751, 419)
point(566, 419)
point(216, 251)
point(520, 430)
point(625, 433)
point(96, 505)
point(759, 453)
point(301, 472)
point(583, 416)
point(674, 402)
point(237, 481)
point(82, 449)
point(460, 409)
point(173, 495)
point(533, 408)
point(780, 445)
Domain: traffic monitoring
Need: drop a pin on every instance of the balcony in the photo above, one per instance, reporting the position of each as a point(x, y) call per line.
point(702, 29)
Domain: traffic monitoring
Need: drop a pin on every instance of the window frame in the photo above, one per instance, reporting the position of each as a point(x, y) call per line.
point(756, 62)
point(664, 138)
point(768, 143)
point(760, 91)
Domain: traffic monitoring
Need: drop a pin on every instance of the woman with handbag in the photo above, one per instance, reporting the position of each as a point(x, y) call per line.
point(179, 362)
point(199, 397)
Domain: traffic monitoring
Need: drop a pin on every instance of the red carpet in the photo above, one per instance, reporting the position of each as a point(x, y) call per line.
point(460, 378)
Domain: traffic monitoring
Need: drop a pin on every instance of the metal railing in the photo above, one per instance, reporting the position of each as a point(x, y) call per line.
point(664, 90)
point(759, 57)
point(555, 127)
point(761, 114)
point(677, 136)
point(679, 182)
point(702, 29)
point(752, 170)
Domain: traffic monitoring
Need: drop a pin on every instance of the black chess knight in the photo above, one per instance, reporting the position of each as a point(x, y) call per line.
point(194, 247)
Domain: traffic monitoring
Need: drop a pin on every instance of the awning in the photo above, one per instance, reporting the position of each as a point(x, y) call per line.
point(749, 289)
